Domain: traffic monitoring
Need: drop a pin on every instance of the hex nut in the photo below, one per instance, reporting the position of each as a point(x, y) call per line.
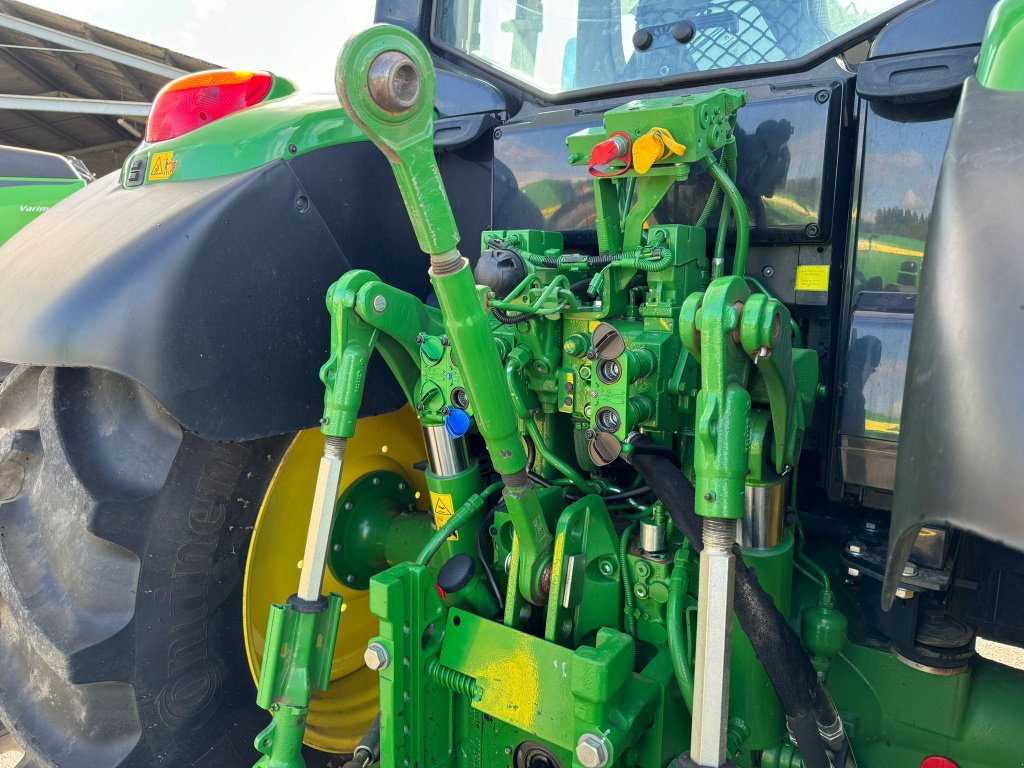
point(376, 657)
point(855, 572)
point(591, 751)
point(904, 594)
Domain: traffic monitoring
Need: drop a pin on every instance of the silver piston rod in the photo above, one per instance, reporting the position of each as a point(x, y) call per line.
point(714, 644)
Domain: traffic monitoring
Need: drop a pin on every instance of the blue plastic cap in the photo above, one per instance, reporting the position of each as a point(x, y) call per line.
point(457, 423)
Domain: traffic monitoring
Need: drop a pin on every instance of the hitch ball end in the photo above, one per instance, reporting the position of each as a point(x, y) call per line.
point(394, 82)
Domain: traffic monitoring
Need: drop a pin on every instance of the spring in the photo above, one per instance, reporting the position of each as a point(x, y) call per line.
point(456, 681)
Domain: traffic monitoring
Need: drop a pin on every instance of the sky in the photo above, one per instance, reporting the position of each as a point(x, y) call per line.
point(298, 39)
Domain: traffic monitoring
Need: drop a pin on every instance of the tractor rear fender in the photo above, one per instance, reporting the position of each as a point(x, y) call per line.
point(206, 285)
point(210, 293)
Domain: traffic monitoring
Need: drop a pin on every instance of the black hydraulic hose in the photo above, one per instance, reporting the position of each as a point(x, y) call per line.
point(368, 751)
point(775, 643)
point(506, 319)
point(579, 289)
point(484, 562)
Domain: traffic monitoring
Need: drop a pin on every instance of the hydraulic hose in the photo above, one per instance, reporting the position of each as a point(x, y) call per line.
point(368, 751)
point(775, 643)
point(627, 585)
point(739, 211)
point(470, 507)
point(677, 586)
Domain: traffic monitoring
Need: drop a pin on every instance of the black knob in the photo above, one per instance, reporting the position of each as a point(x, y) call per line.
point(683, 31)
point(642, 39)
point(456, 573)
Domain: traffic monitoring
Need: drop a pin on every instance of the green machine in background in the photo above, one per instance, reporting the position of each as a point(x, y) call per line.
point(33, 182)
point(630, 597)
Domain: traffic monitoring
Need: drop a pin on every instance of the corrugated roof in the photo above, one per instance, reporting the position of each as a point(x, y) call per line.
point(32, 65)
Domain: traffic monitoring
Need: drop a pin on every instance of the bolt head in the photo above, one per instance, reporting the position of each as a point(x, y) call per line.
point(376, 657)
point(910, 570)
point(854, 549)
point(592, 751)
point(870, 526)
point(379, 304)
point(904, 594)
point(855, 572)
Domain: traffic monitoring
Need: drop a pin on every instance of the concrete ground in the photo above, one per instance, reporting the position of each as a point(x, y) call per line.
point(1006, 654)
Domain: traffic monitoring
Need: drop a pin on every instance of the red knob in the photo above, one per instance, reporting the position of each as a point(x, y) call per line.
point(936, 761)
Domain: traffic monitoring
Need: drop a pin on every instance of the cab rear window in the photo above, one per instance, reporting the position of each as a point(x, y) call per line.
point(557, 46)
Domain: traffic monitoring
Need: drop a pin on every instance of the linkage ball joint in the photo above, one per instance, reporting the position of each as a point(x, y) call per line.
point(394, 82)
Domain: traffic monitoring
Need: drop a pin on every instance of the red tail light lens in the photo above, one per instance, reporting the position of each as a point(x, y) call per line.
point(196, 100)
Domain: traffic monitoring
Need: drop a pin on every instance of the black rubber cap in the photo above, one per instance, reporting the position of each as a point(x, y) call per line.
point(308, 606)
point(456, 573)
point(683, 31)
point(642, 39)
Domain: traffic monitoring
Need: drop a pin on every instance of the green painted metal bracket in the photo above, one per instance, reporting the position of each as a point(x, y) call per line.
point(297, 659)
point(401, 318)
point(352, 343)
point(728, 329)
point(583, 598)
point(416, 711)
point(708, 325)
point(766, 337)
point(522, 676)
point(404, 132)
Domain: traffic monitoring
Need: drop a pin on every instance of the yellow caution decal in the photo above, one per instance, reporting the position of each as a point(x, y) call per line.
point(441, 504)
point(812, 277)
point(162, 166)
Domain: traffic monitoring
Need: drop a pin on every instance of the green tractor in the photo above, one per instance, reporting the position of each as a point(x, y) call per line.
point(639, 466)
point(33, 182)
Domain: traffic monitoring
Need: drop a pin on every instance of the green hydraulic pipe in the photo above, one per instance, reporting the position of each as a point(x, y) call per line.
point(516, 362)
point(678, 583)
point(472, 505)
point(737, 208)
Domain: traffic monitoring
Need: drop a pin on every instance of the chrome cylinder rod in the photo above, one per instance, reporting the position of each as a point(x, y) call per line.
point(447, 456)
point(764, 515)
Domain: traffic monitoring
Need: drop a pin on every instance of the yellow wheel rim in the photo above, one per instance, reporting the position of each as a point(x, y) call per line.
point(339, 716)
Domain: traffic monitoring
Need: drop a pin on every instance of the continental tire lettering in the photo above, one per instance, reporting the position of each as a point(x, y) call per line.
point(206, 516)
point(194, 682)
point(186, 651)
point(189, 695)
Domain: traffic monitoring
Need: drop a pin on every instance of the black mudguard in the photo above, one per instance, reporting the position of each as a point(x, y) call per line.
point(961, 460)
point(211, 293)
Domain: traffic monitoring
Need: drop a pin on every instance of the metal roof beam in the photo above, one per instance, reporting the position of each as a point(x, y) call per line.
point(7, 21)
point(51, 127)
point(77, 106)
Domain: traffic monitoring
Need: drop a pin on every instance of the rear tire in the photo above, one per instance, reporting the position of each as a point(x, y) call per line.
point(123, 545)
